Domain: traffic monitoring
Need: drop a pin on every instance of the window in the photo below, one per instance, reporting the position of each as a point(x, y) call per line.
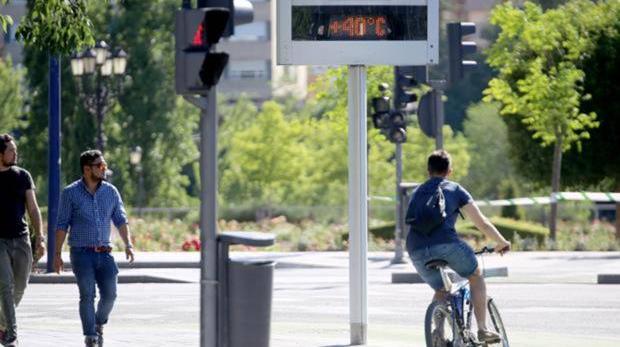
point(249, 69)
point(251, 32)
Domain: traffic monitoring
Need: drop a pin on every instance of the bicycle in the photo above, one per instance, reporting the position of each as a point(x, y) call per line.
point(449, 323)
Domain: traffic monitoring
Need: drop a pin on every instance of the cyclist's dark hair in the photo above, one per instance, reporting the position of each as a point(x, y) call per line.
point(4, 140)
point(439, 162)
point(89, 157)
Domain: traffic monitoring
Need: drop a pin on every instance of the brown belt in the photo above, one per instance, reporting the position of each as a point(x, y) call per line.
point(101, 249)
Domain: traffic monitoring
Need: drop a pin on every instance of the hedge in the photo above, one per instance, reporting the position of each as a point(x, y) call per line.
point(506, 226)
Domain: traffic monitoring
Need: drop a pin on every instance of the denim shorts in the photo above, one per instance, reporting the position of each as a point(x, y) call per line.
point(459, 255)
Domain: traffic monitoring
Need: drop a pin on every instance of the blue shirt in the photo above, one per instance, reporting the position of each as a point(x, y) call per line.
point(87, 216)
point(455, 197)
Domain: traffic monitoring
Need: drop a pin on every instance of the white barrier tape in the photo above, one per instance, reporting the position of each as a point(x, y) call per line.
point(540, 200)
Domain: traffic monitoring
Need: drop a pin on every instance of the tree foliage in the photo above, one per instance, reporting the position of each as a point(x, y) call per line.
point(5, 20)
point(487, 135)
point(11, 102)
point(590, 167)
point(56, 26)
point(146, 114)
point(301, 157)
point(539, 56)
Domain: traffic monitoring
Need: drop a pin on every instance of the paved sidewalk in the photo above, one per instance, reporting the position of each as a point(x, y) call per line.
point(549, 299)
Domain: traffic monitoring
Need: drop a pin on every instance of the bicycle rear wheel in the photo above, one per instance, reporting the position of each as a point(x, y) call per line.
point(496, 323)
point(438, 326)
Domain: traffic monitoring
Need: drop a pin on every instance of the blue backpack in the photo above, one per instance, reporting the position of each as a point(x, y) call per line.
point(427, 210)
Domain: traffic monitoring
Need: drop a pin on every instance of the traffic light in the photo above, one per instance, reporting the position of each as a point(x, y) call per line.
point(197, 67)
point(391, 122)
point(381, 116)
point(405, 78)
point(241, 12)
point(398, 127)
point(457, 49)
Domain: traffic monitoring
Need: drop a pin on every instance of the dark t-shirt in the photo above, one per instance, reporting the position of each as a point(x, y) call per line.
point(14, 183)
point(456, 197)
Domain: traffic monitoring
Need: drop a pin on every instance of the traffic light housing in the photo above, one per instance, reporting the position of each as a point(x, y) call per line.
point(392, 123)
point(457, 49)
point(398, 127)
point(381, 115)
point(405, 78)
point(241, 12)
point(197, 67)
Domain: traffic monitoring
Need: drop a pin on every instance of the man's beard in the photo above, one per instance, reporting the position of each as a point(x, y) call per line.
point(97, 178)
point(9, 163)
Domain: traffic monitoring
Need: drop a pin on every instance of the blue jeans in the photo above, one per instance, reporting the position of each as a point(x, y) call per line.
point(92, 268)
point(459, 255)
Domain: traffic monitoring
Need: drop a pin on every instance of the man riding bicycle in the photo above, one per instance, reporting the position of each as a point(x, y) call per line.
point(433, 210)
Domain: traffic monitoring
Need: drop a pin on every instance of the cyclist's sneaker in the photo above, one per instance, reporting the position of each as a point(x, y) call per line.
point(99, 330)
point(488, 336)
point(8, 339)
point(90, 341)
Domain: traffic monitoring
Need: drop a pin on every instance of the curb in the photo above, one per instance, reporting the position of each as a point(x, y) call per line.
point(195, 265)
point(608, 279)
point(122, 279)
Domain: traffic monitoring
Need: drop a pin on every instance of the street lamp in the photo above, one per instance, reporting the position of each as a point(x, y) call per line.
point(94, 69)
point(135, 158)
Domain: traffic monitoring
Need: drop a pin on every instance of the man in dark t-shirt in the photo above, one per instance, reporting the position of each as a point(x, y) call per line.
point(16, 197)
point(443, 243)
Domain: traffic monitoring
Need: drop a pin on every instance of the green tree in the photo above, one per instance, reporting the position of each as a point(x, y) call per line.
point(539, 56)
point(268, 159)
point(56, 26)
point(10, 96)
point(147, 112)
point(5, 20)
point(487, 135)
point(331, 91)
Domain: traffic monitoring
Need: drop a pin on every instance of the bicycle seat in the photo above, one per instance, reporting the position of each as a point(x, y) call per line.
point(435, 264)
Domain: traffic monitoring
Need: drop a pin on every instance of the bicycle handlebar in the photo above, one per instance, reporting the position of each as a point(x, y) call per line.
point(489, 249)
point(485, 249)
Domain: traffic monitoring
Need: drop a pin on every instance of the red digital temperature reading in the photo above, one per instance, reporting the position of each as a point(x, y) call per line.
point(358, 27)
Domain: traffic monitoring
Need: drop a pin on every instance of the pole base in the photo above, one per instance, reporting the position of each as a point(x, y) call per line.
point(359, 333)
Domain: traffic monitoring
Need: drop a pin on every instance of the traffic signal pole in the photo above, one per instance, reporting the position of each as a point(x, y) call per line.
point(358, 206)
point(398, 232)
point(208, 221)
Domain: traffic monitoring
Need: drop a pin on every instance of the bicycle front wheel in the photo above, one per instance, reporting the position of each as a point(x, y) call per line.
point(496, 323)
point(438, 326)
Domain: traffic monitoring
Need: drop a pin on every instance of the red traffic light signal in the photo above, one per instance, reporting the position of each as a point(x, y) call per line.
point(197, 69)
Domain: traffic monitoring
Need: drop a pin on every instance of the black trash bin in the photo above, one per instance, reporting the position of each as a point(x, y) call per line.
point(245, 292)
point(250, 288)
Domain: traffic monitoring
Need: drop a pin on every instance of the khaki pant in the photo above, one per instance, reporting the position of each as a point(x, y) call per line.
point(15, 267)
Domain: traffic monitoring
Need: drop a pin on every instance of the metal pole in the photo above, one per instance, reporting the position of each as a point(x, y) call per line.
point(439, 117)
point(208, 222)
point(99, 102)
point(398, 230)
point(54, 158)
point(358, 206)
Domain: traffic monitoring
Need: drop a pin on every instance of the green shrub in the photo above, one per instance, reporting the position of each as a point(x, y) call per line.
point(597, 236)
point(526, 230)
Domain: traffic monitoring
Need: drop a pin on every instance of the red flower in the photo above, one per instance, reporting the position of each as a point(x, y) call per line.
point(196, 244)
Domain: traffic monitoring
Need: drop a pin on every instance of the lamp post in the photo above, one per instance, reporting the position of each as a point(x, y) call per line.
point(135, 158)
point(94, 69)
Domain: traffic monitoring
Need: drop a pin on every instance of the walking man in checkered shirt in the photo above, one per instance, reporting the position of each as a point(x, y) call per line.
point(87, 206)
